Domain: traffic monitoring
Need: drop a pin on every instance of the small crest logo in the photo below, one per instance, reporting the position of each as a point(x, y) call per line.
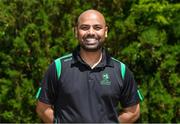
point(105, 79)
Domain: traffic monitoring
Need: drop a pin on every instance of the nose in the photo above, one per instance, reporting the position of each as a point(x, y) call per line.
point(91, 31)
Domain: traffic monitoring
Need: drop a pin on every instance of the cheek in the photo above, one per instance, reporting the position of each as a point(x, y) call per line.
point(102, 35)
point(80, 34)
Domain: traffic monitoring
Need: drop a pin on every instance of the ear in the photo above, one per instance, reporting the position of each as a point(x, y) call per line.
point(106, 31)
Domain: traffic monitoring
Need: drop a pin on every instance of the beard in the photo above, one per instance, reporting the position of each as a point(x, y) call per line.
point(91, 43)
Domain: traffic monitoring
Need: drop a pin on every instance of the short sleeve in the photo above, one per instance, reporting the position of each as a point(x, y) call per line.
point(129, 94)
point(48, 86)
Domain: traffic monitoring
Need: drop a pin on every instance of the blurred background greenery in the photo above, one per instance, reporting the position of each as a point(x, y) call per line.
point(144, 34)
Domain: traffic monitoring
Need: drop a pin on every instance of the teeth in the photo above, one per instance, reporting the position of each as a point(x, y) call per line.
point(90, 39)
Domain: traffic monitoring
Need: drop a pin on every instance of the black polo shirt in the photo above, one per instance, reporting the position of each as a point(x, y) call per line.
point(82, 94)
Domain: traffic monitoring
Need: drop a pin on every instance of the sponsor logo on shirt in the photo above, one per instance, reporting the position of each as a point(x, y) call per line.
point(105, 79)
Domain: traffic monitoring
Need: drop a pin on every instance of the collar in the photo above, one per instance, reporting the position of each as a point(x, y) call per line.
point(97, 62)
point(105, 61)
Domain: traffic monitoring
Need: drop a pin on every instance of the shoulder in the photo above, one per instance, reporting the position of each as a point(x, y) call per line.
point(119, 64)
point(116, 61)
point(125, 71)
point(57, 63)
point(64, 58)
point(65, 61)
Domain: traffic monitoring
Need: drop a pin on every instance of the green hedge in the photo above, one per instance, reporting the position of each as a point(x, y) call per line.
point(144, 34)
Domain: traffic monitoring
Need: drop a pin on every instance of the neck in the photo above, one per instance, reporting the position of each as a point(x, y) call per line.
point(91, 58)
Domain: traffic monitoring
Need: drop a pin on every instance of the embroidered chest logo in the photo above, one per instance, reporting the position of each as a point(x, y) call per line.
point(105, 79)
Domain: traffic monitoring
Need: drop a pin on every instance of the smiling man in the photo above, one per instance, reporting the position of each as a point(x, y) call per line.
point(87, 85)
point(91, 31)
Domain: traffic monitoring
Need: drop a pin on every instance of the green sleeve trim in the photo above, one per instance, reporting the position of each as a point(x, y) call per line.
point(123, 70)
point(58, 67)
point(140, 95)
point(38, 93)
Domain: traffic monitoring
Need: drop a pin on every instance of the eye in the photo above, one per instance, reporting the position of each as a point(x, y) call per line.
point(97, 27)
point(84, 27)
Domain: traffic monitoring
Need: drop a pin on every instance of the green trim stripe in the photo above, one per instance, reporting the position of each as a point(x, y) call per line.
point(140, 95)
point(123, 70)
point(58, 64)
point(115, 59)
point(65, 56)
point(123, 67)
point(38, 93)
point(58, 67)
point(68, 59)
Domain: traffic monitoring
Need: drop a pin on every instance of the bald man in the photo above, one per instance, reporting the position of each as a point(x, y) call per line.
point(87, 85)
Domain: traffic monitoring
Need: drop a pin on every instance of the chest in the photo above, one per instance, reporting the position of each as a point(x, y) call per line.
point(98, 82)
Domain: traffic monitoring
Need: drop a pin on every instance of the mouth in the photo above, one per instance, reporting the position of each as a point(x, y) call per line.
point(91, 40)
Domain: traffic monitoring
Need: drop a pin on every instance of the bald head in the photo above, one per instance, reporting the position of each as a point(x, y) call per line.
point(91, 30)
point(91, 14)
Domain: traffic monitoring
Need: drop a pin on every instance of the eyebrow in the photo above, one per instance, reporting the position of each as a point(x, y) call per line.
point(91, 25)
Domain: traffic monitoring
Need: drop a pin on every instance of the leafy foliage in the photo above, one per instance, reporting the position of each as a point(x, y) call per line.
point(144, 34)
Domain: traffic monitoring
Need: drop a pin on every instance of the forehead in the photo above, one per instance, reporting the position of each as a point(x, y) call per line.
point(91, 18)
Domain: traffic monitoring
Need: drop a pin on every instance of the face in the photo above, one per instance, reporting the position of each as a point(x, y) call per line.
point(91, 31)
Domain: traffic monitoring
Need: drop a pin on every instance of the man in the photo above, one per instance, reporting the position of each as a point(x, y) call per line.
point(90, 84)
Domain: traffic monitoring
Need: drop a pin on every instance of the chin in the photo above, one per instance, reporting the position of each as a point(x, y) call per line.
point(91, 49)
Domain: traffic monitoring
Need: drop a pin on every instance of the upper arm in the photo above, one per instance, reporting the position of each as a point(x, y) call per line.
point(129, 93)
point(48, 86)
point(129, 99)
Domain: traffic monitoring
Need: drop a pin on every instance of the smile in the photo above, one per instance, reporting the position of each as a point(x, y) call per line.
point(91, 40)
